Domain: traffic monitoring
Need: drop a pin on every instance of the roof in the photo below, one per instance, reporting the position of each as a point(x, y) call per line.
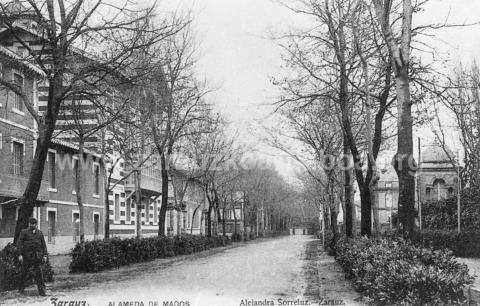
point(435, 153)
point(10, 55)
point(74, 147)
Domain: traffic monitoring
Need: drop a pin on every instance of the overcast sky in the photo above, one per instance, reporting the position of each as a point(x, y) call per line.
point(238, 57)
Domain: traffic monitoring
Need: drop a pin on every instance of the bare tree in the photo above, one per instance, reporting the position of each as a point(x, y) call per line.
point(330, 66)
point(400, 48)
point(212, 154)
point(175, 102)
point(458, 94)
point(73, 35)
point(323, 142)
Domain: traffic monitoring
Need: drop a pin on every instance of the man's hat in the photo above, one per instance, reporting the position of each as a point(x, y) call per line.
point(32, 220)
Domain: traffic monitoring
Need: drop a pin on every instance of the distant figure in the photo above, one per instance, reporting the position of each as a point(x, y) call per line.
point(33, 253)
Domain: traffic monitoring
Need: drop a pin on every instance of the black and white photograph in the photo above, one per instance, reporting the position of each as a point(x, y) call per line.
point(239, 152)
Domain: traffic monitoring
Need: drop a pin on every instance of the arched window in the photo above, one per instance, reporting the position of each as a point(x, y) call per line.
point(439, 190)
point(428, 193)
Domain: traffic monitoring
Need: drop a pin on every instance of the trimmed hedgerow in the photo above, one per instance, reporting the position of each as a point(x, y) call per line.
point(393, 271)
point(463, 244)
point(97, 255)
point(10, 269)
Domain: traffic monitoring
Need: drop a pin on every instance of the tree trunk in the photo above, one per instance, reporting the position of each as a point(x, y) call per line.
point(193, 219)
point(45, 131)
point(333, 220)
point(366, 211)
point(224, 233)
point(218, 219)
point(138, 196)
point(106, 189)
point(403, 161)
point(107, 211)
point(244, 221)
point(209, 220)
point(35, 178)
point(348, 196)
point(79, 188)
point(375, 209)
point(163, 207)
point(202, 218)
point(235, 230)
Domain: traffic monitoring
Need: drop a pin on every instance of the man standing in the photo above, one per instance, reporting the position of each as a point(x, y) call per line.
point(33, 253)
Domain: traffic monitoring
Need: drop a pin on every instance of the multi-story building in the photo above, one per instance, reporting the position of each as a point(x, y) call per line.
point(123, 202)
point(59, 218)
point(57, 208)
point(17, 139)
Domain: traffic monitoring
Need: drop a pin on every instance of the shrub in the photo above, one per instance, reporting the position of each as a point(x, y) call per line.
point(463, 244)
point(442, 215)
point(392, 271)
point(97, 255)
point(236, 237)
point(10, 269)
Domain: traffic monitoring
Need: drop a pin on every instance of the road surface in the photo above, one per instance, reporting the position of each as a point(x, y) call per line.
point(284, 271)
point(262, 271)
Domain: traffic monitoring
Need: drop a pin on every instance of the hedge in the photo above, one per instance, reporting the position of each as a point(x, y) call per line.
point(463, 244)
point(10, 269)
point(442, 215)
point(393, 271)
point(97, 255)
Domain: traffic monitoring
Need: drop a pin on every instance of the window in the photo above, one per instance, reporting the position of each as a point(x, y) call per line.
point(51, 169)
point(75, 168)
point(51, 218)
point(17, 158)
point(439, 189)
point(428, 193)
point(96, 173)
point(117, 207)
point(238, 213)
point(17, 102)
point(76, 226)
point(96, 224)
point(128, 209)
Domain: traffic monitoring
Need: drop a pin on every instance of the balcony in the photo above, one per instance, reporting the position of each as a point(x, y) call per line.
point(150, 181)
point(14, 185)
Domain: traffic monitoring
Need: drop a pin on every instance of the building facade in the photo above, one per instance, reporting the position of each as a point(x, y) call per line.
point(56, 208)
point(436, 179)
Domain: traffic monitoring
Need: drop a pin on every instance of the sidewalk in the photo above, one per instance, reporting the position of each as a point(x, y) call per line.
point(326, 281)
